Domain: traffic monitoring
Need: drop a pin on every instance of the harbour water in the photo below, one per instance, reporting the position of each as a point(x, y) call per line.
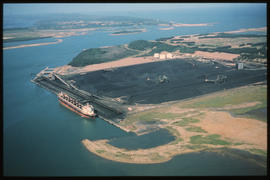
point(42, 138)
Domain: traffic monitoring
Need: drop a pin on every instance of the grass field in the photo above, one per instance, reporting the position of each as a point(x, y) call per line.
point(209, 139)
point(232, 97)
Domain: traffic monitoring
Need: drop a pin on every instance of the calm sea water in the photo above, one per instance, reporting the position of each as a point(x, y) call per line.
point(42, 138)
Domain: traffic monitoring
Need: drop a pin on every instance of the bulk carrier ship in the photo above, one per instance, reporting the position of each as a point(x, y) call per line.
point(86, 111)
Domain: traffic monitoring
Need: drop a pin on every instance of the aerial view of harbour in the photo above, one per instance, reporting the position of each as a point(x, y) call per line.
point(134, 89)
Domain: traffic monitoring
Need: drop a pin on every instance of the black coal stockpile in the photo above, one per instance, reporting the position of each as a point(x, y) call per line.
point(164, 81)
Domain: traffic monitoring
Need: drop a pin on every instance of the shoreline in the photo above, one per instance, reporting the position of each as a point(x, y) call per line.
point(127, 33)
point(33, 45)
point(247, 134)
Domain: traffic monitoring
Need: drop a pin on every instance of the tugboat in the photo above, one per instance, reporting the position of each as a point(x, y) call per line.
point(86, 111)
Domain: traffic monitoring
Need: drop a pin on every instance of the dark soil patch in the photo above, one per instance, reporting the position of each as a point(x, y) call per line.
point(260, 113)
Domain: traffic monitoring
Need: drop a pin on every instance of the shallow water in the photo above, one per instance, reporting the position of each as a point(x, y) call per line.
point(152, 139)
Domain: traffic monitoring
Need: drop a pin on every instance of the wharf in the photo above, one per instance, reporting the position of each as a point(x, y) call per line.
point(106, 109)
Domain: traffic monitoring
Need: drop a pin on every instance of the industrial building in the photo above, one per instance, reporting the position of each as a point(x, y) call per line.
point(163, 55)
point(240, 66)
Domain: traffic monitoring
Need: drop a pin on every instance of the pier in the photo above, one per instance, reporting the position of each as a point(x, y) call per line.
point(106, 109)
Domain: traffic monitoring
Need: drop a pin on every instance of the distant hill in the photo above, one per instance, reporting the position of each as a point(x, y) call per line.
point(100, 55)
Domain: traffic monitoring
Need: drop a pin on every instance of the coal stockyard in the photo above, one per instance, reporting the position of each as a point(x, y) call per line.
point(164, 81)
point(112, 91)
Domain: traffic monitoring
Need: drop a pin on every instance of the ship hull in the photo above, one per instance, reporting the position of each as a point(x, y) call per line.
point(74, 110)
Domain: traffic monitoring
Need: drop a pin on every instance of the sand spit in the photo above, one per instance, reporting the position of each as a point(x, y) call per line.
point(32, 45)
point(169, 28)
point(262, 29)
point(141, 156)
point(187, 25)
point(192, 25)
point(248, 133)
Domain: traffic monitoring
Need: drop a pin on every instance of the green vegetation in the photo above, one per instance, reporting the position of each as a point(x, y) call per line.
point(190, 43)
point(231, 97)
point(196, 146)
point(228, 35)
point(141, 45)
point(22, 34)
point(26, 38)
point(122, 155)
point(127, 32)
point(149, 116)
point(86, 21)
point(158, 47)
point(173, 131)
point(164, 39)
point(258, 151)
point(100, 55)
point(186, 121)
point(100, 151)
point(257, 50)
point(196, 129)
point(209, 139)
point(156, 156)
point(176, 134)
point(185, 36)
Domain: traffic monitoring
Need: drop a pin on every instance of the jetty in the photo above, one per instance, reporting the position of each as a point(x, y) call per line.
point(106, 108)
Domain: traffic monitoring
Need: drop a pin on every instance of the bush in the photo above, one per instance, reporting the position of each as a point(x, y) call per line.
point(141, 45)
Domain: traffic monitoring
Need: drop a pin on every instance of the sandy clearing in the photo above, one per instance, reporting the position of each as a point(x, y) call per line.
point(32, 45)
point(238, 129)
point(244, 105)
point(216, 55)
point(129, 61)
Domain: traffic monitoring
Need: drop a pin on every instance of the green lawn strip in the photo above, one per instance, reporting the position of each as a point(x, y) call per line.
point(230, 97)
point(186, 121)
point(195, 129)
point(209, 139)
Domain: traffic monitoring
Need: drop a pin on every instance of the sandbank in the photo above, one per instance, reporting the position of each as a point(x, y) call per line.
point(32, 45)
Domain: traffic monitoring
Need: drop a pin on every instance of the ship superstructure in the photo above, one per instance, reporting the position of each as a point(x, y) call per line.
point(86, 111)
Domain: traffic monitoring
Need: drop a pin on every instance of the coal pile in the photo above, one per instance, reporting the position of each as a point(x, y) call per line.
point(164, 81)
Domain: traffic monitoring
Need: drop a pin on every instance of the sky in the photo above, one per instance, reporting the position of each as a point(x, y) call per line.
point(88, 8)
